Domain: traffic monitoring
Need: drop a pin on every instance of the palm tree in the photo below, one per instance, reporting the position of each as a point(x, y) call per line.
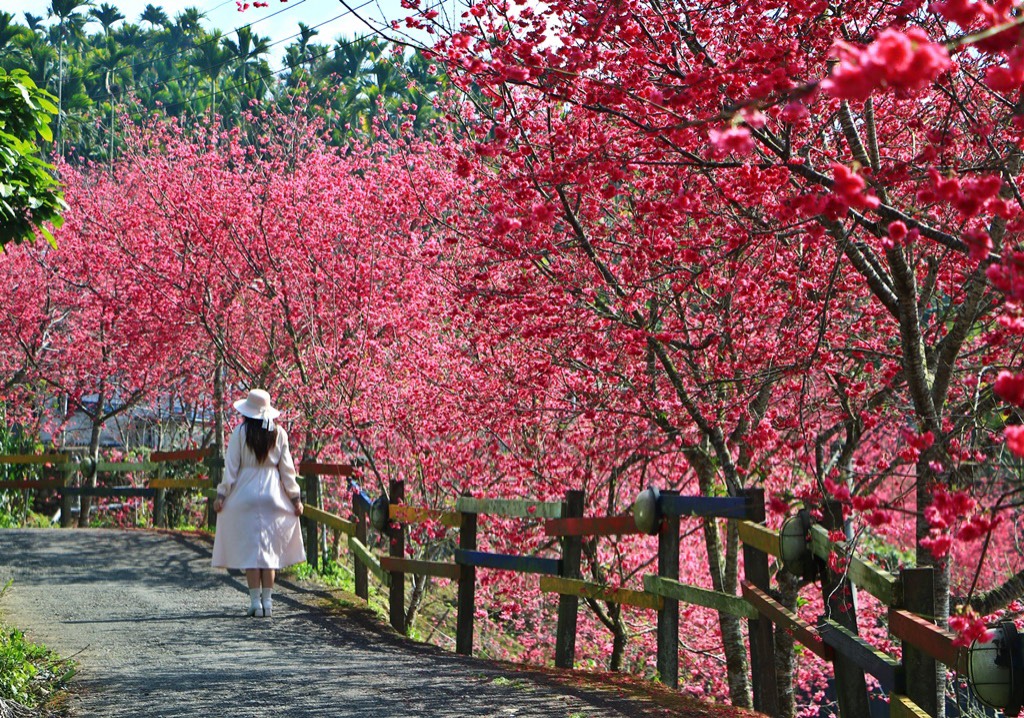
point(155, 16)
point(189, 20)
point(63, 10)
point(247, 52)
point(306, 33)
point(33, 21)
point(38, 57)
point(212, 57)
point(106, 16)
point(108, 62)
point(8, 29)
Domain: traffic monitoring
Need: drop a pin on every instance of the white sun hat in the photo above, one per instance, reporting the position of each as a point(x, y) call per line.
point(257, 406)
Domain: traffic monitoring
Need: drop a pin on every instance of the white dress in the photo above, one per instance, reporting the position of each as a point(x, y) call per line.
point(257, 527)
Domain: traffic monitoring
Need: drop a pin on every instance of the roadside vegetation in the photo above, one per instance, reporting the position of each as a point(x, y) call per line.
point(33, 679)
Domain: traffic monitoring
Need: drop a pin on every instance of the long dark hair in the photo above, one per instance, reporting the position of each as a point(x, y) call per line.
point(259, 439)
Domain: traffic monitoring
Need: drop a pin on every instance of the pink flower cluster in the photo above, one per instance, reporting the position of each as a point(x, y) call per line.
point(903, 61)
point(849, 190)
point(946, 511)
point(969, 627)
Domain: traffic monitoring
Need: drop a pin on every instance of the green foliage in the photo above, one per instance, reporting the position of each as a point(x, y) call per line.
point(103, 66)
point(15, 508)
point(29, 193)
point(30, 673)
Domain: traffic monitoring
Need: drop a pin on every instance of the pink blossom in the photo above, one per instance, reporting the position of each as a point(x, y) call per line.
point(1010, 387)
point(733, 139)
point(903, 61)
point(969, 627)
point(1015, 439)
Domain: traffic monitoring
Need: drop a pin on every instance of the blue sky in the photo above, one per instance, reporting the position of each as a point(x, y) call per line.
point(224, 15)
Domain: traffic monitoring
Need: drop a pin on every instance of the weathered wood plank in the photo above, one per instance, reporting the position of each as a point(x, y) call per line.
point(927, 638)
point(786, 620)
point(126, 466)
point(877, 581)
point(309, 468)
point(369, 560)
point(592, 526)
point(439, 569)
point(33, 484)
point(510, 508)
point(506, 562)
point(328, 519)
point(760, 537)
point(417, 515)
point(181, 484)
point(24, 459)
point(726, 507)
point(888, 671)
point(109, 491)
point(586, 589)
point(668, 588)
point(903, 707)
point(182, 455)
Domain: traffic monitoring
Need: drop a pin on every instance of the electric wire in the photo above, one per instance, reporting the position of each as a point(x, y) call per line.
point(167, 56)
point(244, 83)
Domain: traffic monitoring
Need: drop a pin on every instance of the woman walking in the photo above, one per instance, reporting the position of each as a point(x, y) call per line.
point(258, 503)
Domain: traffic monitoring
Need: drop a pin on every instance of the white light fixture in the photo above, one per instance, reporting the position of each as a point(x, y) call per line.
point(380, 517)
point(793, 546)
point(995, 669)
point(647, 511)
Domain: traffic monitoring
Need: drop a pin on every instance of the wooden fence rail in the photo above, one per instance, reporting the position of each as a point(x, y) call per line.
point(834, 638)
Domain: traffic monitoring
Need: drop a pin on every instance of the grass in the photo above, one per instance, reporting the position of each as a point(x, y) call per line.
point(32, 676)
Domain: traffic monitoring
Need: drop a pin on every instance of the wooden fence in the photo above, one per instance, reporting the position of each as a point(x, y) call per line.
point(911, 683)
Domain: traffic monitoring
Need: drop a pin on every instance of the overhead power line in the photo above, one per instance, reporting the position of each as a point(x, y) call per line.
point(199, 71)
point(167, 56)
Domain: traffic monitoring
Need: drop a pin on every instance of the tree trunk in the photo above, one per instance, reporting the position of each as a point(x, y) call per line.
point(419, 591)
point(85, 502)
point(789, 589)
point(733, 642)
point(723, 571)
point(619, 638)
point(941, 576)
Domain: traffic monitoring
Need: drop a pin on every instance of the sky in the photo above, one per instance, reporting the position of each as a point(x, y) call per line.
point(224, 15)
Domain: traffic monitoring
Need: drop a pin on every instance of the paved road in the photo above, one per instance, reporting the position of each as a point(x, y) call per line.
point(160, 634)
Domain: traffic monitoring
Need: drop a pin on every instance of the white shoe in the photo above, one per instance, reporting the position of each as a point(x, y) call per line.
point(256, 610)
point(267, 609)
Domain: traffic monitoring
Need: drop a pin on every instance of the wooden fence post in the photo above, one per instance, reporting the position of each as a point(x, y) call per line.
point(312, 527)
point(359, 511)
point(66, 499)
point(396, 597)
point(668, 617)
point(762, 640)
point(568, 606)
point(841, 607)
point(160, 500)
point(922, 671)
point(216, 464)
point(467, 588)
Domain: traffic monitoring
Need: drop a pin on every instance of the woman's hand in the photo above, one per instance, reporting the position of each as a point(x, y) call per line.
point(297, 505)
point(218, 504)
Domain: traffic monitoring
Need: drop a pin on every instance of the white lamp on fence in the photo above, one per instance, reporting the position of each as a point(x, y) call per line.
point(995, 669)
point(647, 511)
point(793, 547)
point(380, 517)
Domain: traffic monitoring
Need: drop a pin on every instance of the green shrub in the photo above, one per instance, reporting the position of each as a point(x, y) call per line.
point(30, 674)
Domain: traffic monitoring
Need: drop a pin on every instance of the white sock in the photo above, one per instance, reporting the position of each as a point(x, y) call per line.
point(266, 594)
point(254, 596)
